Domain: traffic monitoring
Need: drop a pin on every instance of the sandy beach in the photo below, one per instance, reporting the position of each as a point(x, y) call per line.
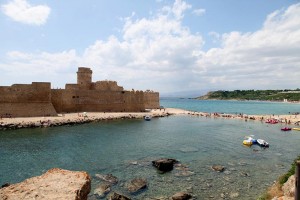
point(78, 118)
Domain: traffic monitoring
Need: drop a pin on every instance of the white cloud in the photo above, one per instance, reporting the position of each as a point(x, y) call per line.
point(199, 12)
point(267, 58)
point(177, 10)
point(160, 53)
point(22, 11)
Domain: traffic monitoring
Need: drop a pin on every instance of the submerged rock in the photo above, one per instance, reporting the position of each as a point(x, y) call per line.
point(164, 164)
point(116, 196)
point(108, 178)
point(218, 168)
point(181, 196)
point(54, 184)
point(233, 195)
point(102, 190)
point(136, 185)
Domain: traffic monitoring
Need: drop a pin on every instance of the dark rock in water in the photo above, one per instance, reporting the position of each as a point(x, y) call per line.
point(181, 196)
point(116, 196)
point(218, 168)
point(102, 190)
point(5, 185)
point(136, 185)
point(164, 164)
point(108, 178)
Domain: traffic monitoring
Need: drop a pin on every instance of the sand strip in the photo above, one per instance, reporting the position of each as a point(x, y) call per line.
point(79, 118)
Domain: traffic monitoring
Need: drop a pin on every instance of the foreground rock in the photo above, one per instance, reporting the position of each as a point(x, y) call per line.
point(136, 185)
point(288, 189)
point(54, 184)
point(164, 164)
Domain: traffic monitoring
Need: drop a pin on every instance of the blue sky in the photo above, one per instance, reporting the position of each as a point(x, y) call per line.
point(163, 45)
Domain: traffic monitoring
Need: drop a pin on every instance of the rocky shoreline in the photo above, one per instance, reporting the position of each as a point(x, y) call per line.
point(83, 118)
point(65, 184)
point(69, 119)
point(54, 184)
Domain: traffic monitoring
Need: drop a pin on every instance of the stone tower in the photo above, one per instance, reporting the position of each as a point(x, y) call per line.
point(84, 77)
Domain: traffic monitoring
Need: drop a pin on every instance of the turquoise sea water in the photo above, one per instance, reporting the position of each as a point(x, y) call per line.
point(231, 107)
point(198, 142)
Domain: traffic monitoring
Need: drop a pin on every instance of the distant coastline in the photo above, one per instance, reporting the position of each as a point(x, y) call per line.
point(286, 96)
point(267, 101)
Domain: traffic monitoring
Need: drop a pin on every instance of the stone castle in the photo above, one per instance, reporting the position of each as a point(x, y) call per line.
point(38, 99)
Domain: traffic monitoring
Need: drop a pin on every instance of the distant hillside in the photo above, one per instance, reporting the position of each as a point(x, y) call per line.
point(262, 95)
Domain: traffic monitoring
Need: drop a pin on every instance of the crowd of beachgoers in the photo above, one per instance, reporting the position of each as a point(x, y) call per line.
point(87, 117)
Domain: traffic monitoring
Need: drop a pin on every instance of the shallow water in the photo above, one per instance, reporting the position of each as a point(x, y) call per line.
point(198, 142)
point(232, 107)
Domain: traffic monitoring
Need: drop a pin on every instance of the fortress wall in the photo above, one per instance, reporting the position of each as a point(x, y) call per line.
point(27, 109)
point(151, 100)
point(66, 101)
point(56, 99)
point(21, 100)
point(134, 101)
point(37, 99)
point(71, 86)
point(107, 86)
point(22, 93)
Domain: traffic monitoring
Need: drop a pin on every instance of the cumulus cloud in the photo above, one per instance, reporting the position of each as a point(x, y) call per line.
point(267, 58)
point(177, 10)
point(161, 53)
point(22, 11)
point(199, 12)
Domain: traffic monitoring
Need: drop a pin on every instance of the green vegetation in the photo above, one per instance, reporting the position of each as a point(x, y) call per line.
point(262, 95)
point(270, 193)
point(285, 177)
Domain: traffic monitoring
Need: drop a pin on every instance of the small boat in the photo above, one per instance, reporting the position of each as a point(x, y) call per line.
point(147, 118)
point(262, 143)
point(296, 129)
point(286, 129)
point(249, 141)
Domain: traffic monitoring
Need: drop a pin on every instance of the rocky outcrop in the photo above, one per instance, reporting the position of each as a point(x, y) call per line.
point(288, 189)
point(164, 164)
point(54, 184)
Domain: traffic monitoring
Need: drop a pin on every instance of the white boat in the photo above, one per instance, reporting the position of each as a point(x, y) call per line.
point(262, 143)
point(147, 118)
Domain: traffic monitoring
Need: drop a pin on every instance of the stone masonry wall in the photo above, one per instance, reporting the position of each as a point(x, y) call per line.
point(66, 101)
point(28, 100)
point(151, 100)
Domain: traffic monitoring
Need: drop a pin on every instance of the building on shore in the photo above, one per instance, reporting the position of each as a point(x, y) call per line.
point(38, 99)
